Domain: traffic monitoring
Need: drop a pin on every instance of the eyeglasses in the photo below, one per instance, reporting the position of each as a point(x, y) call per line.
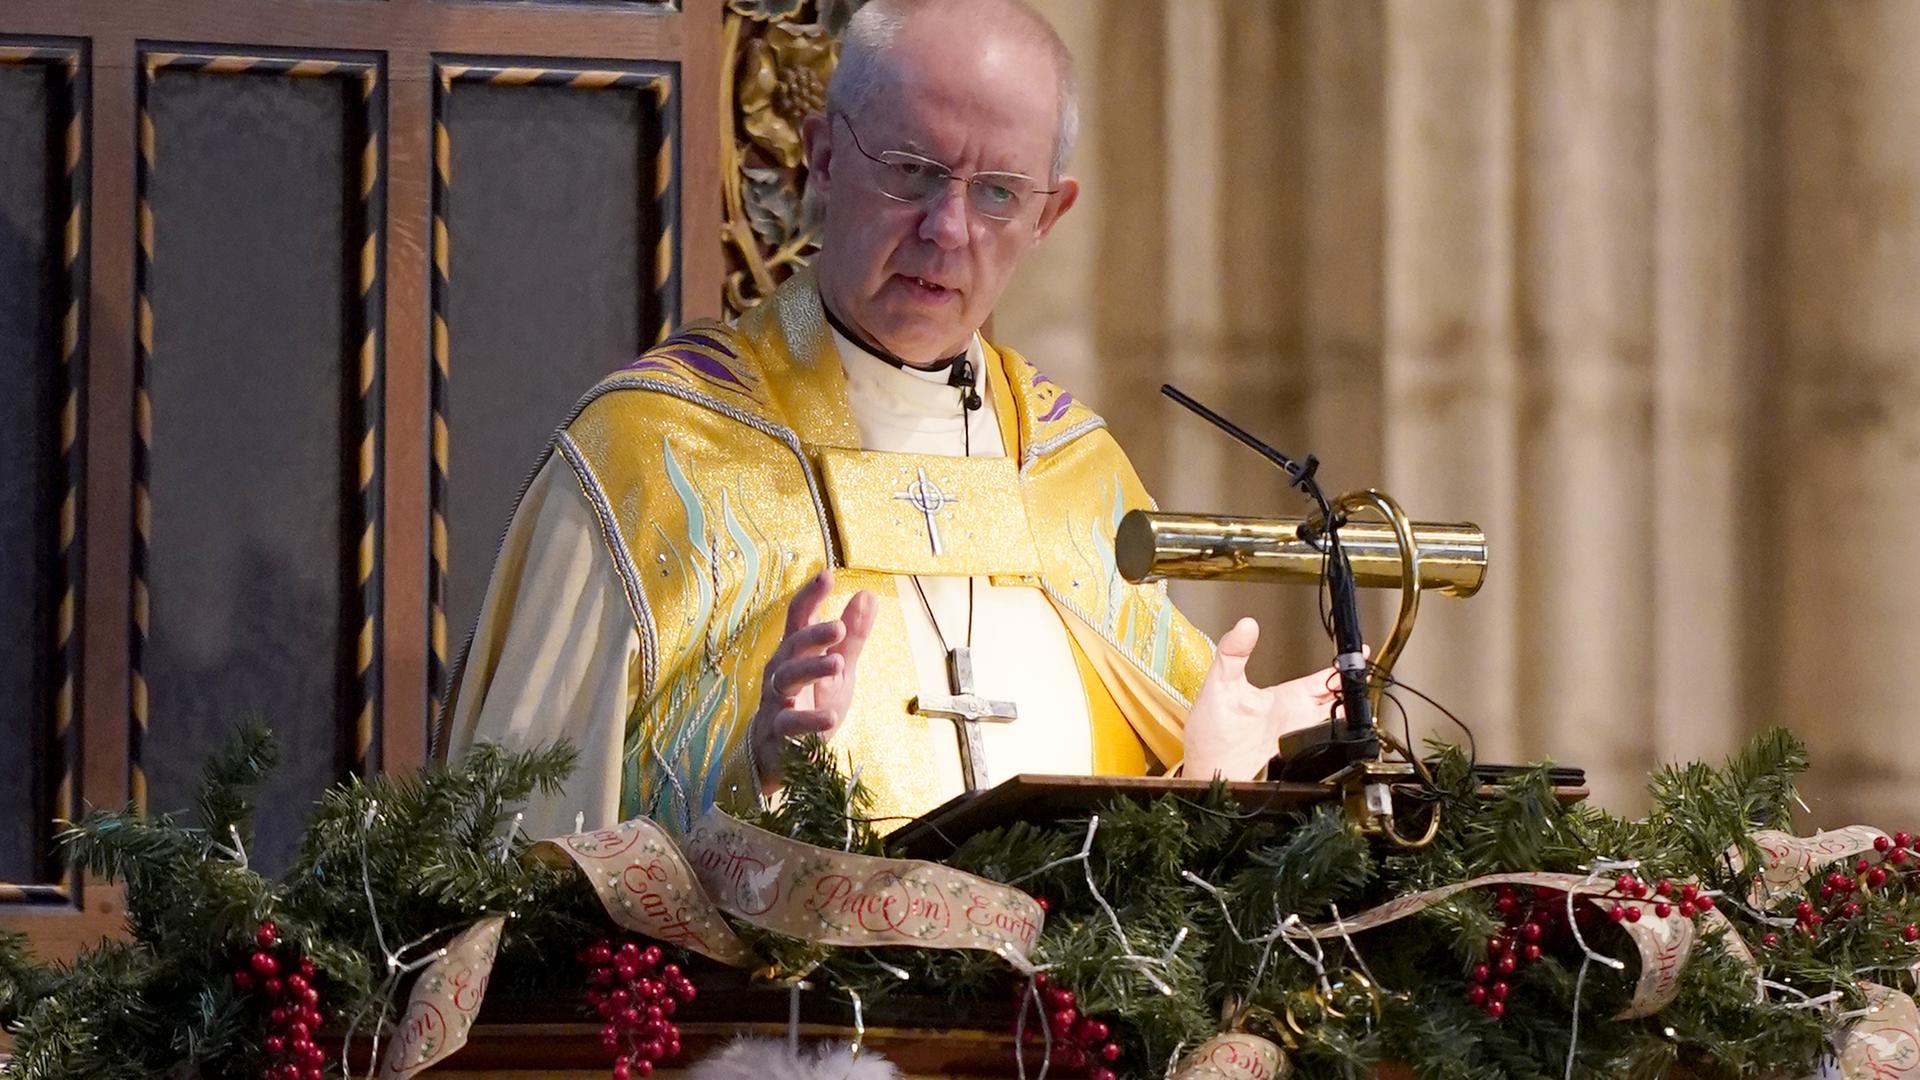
point(910, 178)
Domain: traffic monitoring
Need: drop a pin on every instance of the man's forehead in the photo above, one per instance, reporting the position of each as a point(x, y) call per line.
point(931, 112)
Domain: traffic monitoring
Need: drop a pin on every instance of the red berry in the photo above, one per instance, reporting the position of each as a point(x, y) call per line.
point(622, 1070)
point(1476, 995)
point(670, 972)
point(275, 1044)
point(1633, 914)
point(1507, 965)
point(1531, 952)
point(296, 985)
point(263, 963)
point(1496, 945)
point(1498, 991)
point(271, 986)
point(1899, 856)
point(1901, 840)
point(278, 1016)
point(267, 936)
point(1662, 909)
point(643, 1068)
point(1803, 911)
point(1481, 973)
point(314, 1072)
point(1663, 887)
point(1057, 999)
point(1496, 1009)
point(243, 980)
point(1110, 1052)
point(1860, 865)
point(1100, 1072)
point(1616, 913)
point(1883, 844)
point(1876, 877)
point(1531, 931)
point(1704, 901)
point(1911, 933)
point(1043, 904)
point(1770, 939)
point(1689, 892)
point(1686, 909)
point(1625, 884)
point(650, 956)
point(1062, 1021)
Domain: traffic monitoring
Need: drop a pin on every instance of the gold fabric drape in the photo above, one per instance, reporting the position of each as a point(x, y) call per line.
point(1633, 285)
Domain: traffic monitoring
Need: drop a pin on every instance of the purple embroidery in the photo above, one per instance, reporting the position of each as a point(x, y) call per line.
point(691, 361)
point(699, 338)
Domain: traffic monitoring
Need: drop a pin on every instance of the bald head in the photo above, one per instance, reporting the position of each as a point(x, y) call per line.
point(887, 39)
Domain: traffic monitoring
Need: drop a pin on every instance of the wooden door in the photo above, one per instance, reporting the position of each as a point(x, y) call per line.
point(291, 292)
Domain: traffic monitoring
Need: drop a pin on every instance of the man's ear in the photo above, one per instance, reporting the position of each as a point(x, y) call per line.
point(816, 135)
point(1057, 206)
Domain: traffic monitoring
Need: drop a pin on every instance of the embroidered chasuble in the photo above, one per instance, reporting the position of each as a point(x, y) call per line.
point(644, 579)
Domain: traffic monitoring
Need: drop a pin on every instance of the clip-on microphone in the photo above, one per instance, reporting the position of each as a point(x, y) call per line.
point(963, 375)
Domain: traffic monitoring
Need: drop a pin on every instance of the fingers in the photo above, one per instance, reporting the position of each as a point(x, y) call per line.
point(794, 723)
point(1230, 657)
point(790, 677)
point(1240, 640)
point(858, 619)
point(801, 609)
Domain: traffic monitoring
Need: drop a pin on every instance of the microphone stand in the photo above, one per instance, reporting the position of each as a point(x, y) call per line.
point(1354, 739)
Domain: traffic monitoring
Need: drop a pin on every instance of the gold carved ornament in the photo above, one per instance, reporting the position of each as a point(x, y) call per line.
point(777, 57)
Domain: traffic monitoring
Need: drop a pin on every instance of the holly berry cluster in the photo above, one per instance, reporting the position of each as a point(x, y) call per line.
point(1078, 1041)
point(1842, 894)
point(1532, 920)
point(636, 994)
point(1687, 901)
point(282, 981)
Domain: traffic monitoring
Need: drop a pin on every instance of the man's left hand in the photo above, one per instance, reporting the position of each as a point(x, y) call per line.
point(1234, 728)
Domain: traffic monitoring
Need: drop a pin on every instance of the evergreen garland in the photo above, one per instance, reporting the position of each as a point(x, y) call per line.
point(437, 849)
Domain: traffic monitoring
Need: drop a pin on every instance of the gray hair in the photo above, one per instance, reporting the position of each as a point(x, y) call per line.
point(860, 75)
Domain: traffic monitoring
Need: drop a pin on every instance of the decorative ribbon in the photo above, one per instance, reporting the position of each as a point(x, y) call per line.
point(1787, 860)
point(1235, 1056)
point(1664, 944)
point(445, 999)
point(674, 893)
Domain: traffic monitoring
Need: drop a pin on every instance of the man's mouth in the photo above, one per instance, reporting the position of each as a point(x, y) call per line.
point(931, 288)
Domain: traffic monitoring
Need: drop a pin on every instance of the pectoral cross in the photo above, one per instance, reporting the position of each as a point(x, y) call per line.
point(925, 496)
point(968, 711)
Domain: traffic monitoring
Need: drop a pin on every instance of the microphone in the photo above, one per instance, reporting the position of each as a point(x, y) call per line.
point(1354, 731)
point(964, 376)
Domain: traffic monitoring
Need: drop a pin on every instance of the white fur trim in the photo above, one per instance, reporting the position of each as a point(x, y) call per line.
point(768, 1059)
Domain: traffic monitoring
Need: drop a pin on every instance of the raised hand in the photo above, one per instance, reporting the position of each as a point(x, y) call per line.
point(1235, 727)
point(807, 686)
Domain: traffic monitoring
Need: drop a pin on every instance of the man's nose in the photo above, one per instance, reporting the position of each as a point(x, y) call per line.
point(945, 221)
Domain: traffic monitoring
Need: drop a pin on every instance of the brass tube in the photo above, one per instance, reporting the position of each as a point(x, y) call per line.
point(1151, 545)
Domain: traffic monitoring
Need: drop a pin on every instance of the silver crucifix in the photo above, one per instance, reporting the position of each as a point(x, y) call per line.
point(925, 496)
point(968, 711)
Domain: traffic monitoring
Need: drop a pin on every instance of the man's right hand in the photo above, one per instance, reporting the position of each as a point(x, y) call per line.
point(807, 686)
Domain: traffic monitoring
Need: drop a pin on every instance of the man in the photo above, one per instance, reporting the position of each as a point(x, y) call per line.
point(848, 514)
